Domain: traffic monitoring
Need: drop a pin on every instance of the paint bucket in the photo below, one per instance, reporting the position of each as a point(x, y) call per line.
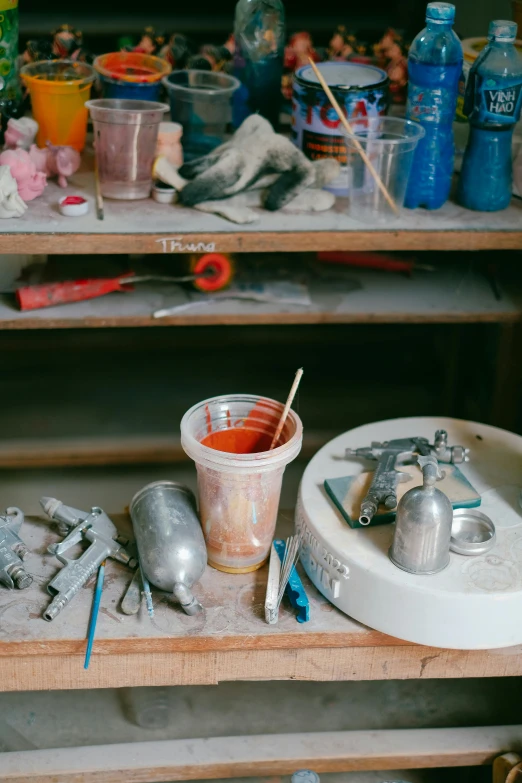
point(201, 101)
point(125, 136)
point(239, 492)
point(360, 90)
point(59, 90)
point(133, 75)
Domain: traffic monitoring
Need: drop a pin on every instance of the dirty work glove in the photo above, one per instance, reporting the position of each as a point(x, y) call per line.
point(254, 151)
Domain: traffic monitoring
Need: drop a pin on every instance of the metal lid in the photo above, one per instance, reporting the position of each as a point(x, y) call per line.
point(503, 30)
point(440, 12)
point(343, 75)
point(472, 532)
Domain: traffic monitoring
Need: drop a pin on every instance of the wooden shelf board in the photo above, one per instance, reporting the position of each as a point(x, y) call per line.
point(447, 295)
point(256, 755)
point(148, 227)
point(230, 641)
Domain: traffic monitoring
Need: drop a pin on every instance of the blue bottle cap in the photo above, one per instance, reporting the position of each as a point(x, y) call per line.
point(503, 30)
point(440, 12)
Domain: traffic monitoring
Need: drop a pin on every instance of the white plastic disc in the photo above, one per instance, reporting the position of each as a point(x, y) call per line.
point(476, 602)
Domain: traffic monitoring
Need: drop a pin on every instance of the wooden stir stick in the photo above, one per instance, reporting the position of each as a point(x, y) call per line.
point(356, 141)
point(287, 407)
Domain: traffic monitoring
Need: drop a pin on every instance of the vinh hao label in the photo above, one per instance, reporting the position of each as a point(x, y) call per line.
point(503, 102)
point(361, 91)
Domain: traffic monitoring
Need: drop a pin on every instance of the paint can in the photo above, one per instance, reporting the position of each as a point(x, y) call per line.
point(361, 91)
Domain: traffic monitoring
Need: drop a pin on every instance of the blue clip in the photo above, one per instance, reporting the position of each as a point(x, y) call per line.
point(294, 589)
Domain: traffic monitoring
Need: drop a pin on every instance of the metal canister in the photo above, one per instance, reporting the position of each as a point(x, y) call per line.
point(170, 542)
point(361, 91)
point(421, 540)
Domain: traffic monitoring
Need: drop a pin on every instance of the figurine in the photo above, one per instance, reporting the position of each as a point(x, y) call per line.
point(219, 57)
point(67, 42)
point(151, 42)
point(30, 182)
point(20, 134)
point(383, 47)
point(55, 161)
point(297, 51)
point(177, 51)
point(11, 203)
point(36, 50)
point(342, 44)
point(397, 70)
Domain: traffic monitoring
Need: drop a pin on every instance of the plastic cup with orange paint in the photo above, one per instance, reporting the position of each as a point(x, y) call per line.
point(59, 90)
point(239, 479)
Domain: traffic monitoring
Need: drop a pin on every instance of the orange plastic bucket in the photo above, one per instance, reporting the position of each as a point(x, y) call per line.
point(59, 89)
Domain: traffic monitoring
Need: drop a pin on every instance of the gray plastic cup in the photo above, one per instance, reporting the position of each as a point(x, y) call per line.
point(125, 136)
point(389, 143)
point(201, 101)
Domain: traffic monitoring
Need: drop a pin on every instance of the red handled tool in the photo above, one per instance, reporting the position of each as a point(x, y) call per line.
point(373, 261)
point(211, 272)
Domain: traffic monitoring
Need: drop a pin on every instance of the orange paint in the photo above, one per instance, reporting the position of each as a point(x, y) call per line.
point(238, 440)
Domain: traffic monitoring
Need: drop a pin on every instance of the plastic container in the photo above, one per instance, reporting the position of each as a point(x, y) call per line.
point(493, 102)
point(239, 493)
point(169, 143)
point(125, 136)
point(10, 92)
point(390, 144)
point(201, 101)
point(131, 75)
point(434, 71)
point(59, 90)
point(360, 90)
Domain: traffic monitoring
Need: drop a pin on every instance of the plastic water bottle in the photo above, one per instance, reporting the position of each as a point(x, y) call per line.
point(10, 90)
point(434, 69)
point(259, 35)
point(493, 102)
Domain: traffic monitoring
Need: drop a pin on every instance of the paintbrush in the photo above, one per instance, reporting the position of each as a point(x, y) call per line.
point(94, 614)
point(99, 197)
point(287, 407)
point(378, 181)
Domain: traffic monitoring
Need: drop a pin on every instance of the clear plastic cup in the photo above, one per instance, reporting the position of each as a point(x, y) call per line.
point(125, 136)
point(239, 493)
point(390, 143)
point(59, 90)
point(201, 101)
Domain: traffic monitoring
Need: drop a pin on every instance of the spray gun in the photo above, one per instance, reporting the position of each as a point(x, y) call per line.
point(383, 489)
point(13, 551)
point(93, 526)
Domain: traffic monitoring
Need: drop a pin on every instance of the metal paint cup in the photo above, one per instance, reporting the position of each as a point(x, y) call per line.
point(361, 91)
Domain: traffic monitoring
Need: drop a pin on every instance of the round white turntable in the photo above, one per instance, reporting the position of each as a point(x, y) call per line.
point(476, 602)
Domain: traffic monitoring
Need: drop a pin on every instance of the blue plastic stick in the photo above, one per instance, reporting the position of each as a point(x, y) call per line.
point(294, 589)
point(147, 593)
point(94, 614)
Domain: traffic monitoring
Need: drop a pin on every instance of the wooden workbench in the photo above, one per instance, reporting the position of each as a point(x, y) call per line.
point(231, 641)
point(147, 227)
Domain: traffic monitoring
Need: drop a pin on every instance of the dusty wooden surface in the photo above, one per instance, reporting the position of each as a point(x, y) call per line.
point(148, 227)
point(231, 641)
point(446, 295)
point(272, 754)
